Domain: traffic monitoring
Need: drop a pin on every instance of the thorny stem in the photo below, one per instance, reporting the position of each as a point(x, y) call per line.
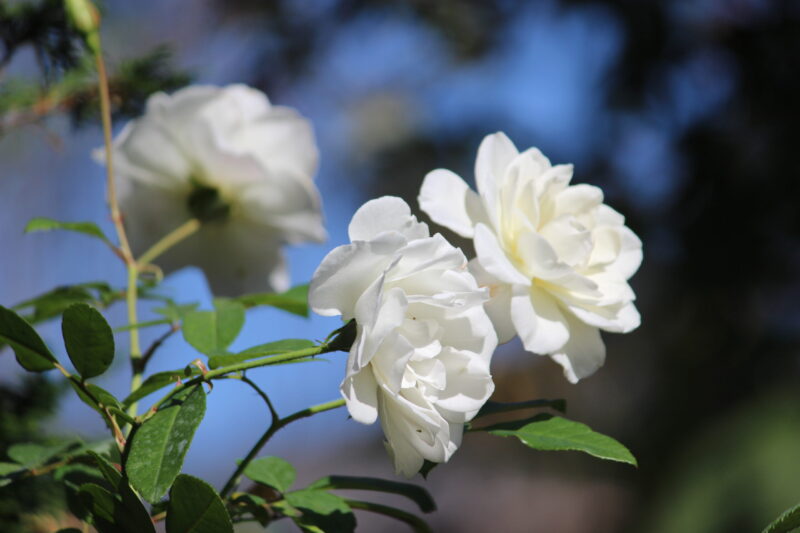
point(116, 217)
point(105, 410)
point(277, 424)
point(273, 413)
point(139, 360)
point(238, 367)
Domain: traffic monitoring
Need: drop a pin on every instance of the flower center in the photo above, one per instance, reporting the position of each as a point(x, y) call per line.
point(206, 205)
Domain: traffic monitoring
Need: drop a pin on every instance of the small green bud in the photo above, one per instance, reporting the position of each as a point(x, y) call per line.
point(83, 15)
point(86, 19)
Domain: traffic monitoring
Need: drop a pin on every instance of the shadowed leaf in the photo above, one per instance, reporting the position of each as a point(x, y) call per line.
point(195, 507)
point(28, 347)
point(89, 340)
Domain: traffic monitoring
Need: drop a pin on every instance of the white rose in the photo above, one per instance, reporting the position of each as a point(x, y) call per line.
point(556, 258)
point(242, 166)
point(421, 356)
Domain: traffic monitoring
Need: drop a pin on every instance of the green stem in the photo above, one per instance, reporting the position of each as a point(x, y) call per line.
point(105, 114)
point(246, 365)
point(142, 325)
point(116, 217)
point(138, 361)
point(416, 523)
point(169, 240)
point(136, 350)
point(276, 425)
point(272, 412)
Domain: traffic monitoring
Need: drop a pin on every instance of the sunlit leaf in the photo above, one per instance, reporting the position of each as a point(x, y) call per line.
point(262, 350)
point(273, 472)
point(210, 332)
point(159, 446)
point(48, 224)
point(295, 300)
point(547, 432)
point(175, 312)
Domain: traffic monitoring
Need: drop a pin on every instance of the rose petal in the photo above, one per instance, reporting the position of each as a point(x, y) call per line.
point(583, 354)
point(347, 271)
point(449, 201)
point(360, 391)
point(538, 320)
point(387, 213)
point(494, 260)
point(495, 154)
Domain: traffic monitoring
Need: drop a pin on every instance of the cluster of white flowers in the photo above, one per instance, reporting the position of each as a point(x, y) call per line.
point(552, 260)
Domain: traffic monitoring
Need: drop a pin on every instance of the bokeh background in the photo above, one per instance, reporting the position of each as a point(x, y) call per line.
point(684, 112)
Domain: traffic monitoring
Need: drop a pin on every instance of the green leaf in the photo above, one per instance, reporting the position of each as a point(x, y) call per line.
point(210, 332)
point(415, 493)
point(273, 472)
point(160, 444)
point(158, 381)
point(89, 340)
point(322, 510)
point(262, 350)
point(9, 468)
point(195, 507)
point(295, 300)
point(115, 514)
point(29, 348)
point(48, 224)
point(31, 455)
point(789, 520)
point(7, 471)
point(73, 475)
point(547, 432)
point(262, 511)
point(109, 471)
point(175, 312)
point(54, 302)
point(99, 396)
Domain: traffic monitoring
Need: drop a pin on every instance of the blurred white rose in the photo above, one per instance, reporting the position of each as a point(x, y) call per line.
point(421, 356)
point(555, 257)
point(228, 157)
